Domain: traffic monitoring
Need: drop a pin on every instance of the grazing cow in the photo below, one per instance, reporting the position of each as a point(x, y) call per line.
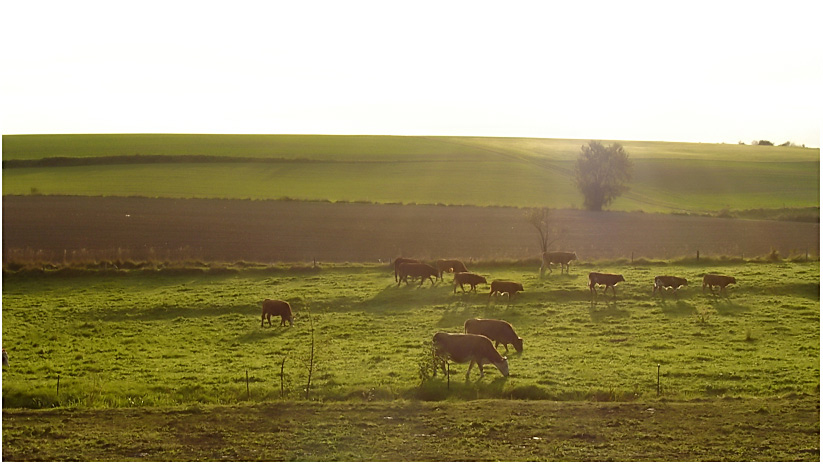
point(417, 270)
point(472, 348)
point(499, 331)
point(5, 358)
point(720, 281)
point(468, 278)
point(604, 279)
point(399, 261)
point(505, 287)
point(450, 266)
point(277, 308)
point(563, 258)
point(673, 282)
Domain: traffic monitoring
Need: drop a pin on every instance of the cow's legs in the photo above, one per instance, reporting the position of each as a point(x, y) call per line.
point(471, 364)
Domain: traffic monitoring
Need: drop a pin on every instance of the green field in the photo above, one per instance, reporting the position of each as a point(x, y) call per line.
point(167, 361)
point(668, 177)
point(165, 338)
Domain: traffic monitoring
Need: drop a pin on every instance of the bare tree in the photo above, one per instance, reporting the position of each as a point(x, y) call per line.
point(540, 219)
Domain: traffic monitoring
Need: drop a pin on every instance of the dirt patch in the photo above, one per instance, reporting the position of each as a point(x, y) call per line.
point(54, 227)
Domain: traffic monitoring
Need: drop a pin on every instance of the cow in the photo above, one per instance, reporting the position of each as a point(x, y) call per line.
point(468, 278)
point(720, 281)
point(472, 348)
point(499, 331)
point(661, 282)
point(604, 279)
point(450, 266)
point(5, 358)
point(505, 287)
point(277, 308)
point(416, 270)
point(562, 258)
point(399, 261)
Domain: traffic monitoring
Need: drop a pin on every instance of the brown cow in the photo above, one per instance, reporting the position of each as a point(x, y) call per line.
point(277, 308)
point(416, 270)
point(604, 279)
point(505, 287)
point(399, 261)
point(499, 331)
point(720, 281)
point(450, 266)
point(468, 278)
point(661, 282)
point(562, 258)
point(472, 348)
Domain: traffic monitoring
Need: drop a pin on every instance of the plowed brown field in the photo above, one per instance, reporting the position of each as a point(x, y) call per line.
point(53, 227)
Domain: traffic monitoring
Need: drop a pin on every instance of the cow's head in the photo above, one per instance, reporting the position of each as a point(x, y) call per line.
point(620, 278)
point(519, 287)
point(503, 366)
point(518, 344)
point(732, 280)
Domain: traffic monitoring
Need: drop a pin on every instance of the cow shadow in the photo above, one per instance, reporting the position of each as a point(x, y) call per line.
point(467, 295)
point(170, 313)
point(727, 307)
point(392, 299)
point(456, 315)
point(265, 334)
point(677, 308)
point(559, 277)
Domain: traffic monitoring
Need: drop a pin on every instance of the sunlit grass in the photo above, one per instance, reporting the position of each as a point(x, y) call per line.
point(154, 338)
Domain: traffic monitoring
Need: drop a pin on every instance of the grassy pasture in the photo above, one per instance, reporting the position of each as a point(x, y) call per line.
point(423, 170)
point(136, 339)
point(659, 186)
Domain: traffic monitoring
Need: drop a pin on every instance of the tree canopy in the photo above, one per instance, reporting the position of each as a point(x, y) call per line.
point(602, 174)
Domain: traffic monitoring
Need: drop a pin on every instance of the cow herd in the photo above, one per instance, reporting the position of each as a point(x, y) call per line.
point(481, 337)
point(474, 345)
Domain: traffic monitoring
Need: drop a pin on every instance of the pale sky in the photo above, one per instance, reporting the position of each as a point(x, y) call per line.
point(686, 71)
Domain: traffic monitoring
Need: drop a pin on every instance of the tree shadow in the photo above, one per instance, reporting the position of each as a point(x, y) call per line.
point(601, 311)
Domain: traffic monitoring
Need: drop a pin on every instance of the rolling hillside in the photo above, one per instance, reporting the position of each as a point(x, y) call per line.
point(668, 177)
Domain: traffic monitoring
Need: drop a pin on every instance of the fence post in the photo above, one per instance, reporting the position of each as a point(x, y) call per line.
point(658, 380)
point(698, 255)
